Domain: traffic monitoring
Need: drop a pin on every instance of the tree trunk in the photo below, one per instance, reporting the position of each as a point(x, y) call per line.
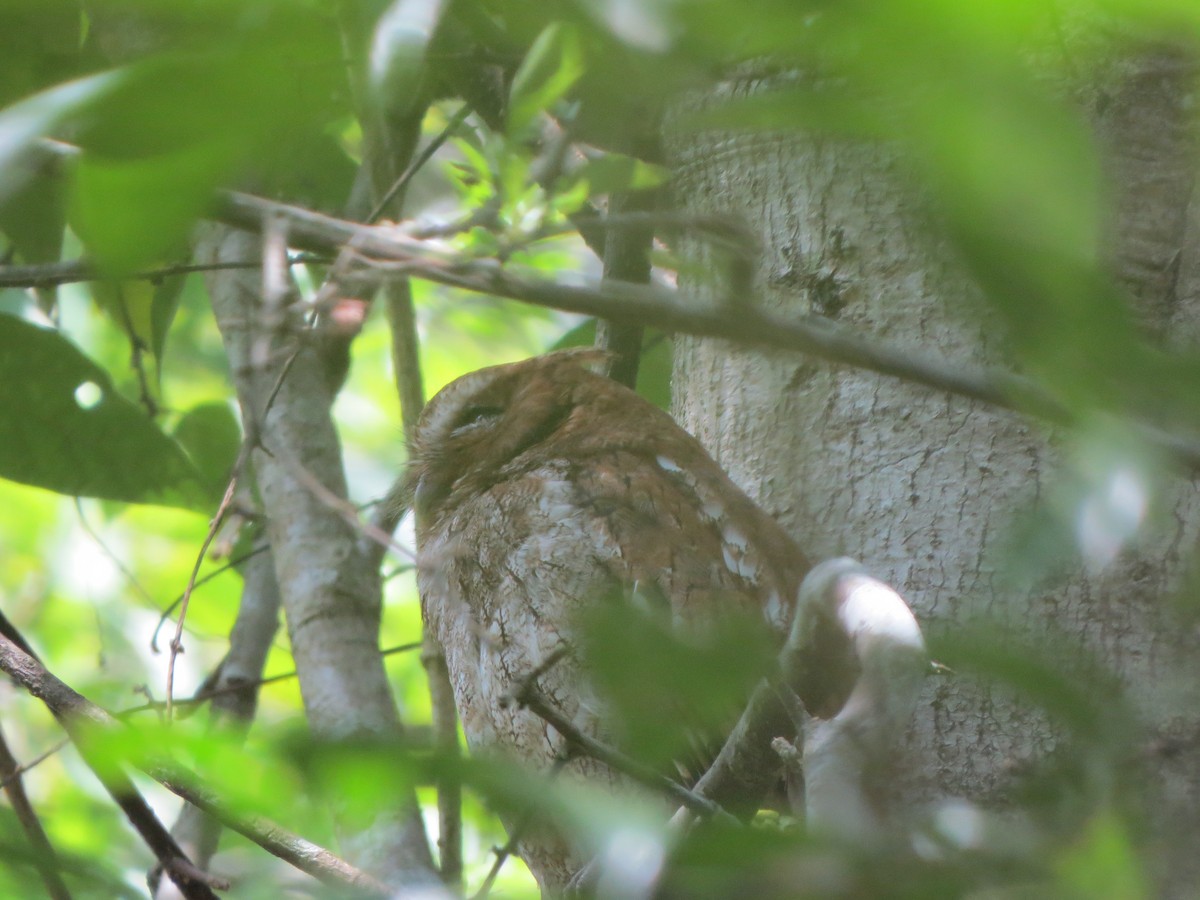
point(925, 488)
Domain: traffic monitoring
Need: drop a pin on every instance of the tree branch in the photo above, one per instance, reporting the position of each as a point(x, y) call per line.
point(71, 271)
point(626, 259)
point(43, 856)
point(234, 693)
point(670, 311)
point(330, 595)
point(831, 653)
point(527, 694)
point(74, 710)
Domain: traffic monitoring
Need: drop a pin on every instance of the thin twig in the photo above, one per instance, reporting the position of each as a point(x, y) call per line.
point(445, 739)
point(673, 311)
point(72, 710)
point(532, 699)
point(419, 161)
point(204, 696)
point(75, 270)
point(514, 838)
point(33, 763)
point(18, 661)
point(213, 526)
point(199, 698)
point(343, 508)
point(44, 858)
point(200, 582)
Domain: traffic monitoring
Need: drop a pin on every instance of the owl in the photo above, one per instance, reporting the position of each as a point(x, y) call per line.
point(540, 487)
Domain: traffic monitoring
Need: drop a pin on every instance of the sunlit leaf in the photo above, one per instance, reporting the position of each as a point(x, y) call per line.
point(1103, 864)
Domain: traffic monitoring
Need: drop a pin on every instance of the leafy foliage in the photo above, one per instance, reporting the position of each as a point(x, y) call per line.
point(123, 121)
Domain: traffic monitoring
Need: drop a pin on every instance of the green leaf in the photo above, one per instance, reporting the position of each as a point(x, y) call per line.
point(133, 213)
point(30, 120)
point(398, 50)
point(654, 368)
point(674, 696)
point(551, 67)
point(1104, 864)
point(67, 429)
point(143, 310)
point(182, 125)
point(211, 435)
point(618, 172)
point(33, 216)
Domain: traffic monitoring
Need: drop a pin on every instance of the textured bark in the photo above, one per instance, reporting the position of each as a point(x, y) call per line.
point(331, 594)
point(923, 487)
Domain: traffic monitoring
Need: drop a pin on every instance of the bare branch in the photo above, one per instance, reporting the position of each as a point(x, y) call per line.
point(214, 526)
point(627, 259)
point(43, 855)
point(837, 648)
point(331, 597)
point(74, 711)
point(75, 270)
point(672, 311)
point(234, 692)
point(528, 695)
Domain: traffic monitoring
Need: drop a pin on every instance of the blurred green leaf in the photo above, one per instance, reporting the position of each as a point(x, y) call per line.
point(68, 429)
point(1103, 864)
point(39, 116)
point(402, 37)
point(654, 368)
point(133, 214)
point(618, 172)
point(1056, 674)
point(33, 216)
point(211, 435)
point(673, 696)
point(143, 310)
point(551, 67)
point(183, 124)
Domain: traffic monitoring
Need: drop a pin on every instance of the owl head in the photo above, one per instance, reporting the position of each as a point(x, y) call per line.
point(493, 423)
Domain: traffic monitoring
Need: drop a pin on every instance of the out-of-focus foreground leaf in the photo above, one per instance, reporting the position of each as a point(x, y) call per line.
point(66, 428)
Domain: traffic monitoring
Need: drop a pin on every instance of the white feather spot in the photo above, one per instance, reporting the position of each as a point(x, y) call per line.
point(733, 537)
point(773, 609)
point(667, 464)
point(739, 564)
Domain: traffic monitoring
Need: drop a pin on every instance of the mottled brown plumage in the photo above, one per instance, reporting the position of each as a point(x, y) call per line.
point(540, 487)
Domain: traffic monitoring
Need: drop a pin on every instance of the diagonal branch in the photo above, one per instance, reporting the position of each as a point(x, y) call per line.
point(68, 707)
point(44, 858)
point(75, 711)
point(672, 311)
point(527, 694)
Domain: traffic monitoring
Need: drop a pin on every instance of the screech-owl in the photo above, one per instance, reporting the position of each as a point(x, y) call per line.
point(540, 486)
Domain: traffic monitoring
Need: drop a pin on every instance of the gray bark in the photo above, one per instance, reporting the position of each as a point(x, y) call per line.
point(330, 591)
point(922, 487)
